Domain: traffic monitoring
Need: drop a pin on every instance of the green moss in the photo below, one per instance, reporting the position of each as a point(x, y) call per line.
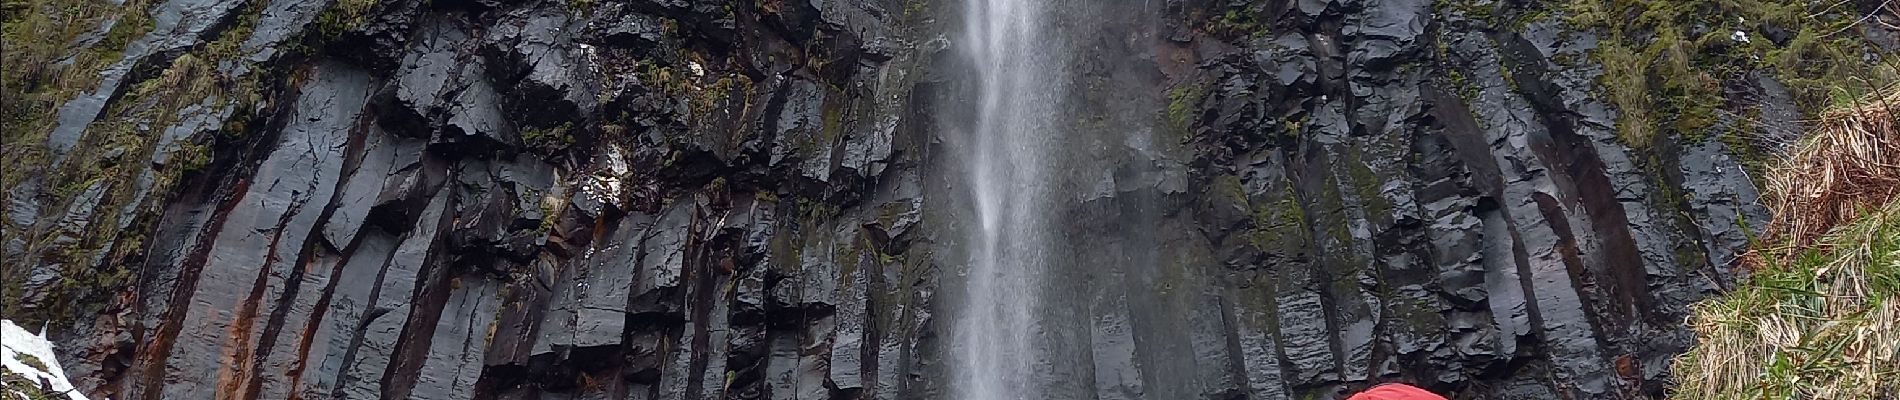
point(19, 387)
point(1239, 22)
point(1666, 79)
point(1476, 10)
point(581, 7)
point(1294, 125)
point(1183, 101)
point(1332, 220)
point(833, 127)
point(129, 27)
point(1279, 223)
point(813, 212)
point(1673, 201)
point(1753, 158)
point(110, 156)
point(713, 97)
point(1462, 85)
point(1508, 75)
point(1626, 85)
point(1367, 186)
point(344, 16)
point(39, 71)
point(888, 212)
point(914, 9)
point(34, 362)
point(550, 207)
point(549, 139)
point(661, 78)
point(230, 44)
point(1231, 186)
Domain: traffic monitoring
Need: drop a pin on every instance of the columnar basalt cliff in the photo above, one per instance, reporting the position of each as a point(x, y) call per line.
point(682, 199)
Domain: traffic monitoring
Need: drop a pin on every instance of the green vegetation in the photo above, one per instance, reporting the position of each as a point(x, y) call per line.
point(1239, 23)
point(32, 361)
point(550, 207)
point(1492, 12)
point(1183, 100)
point(1279, 224)
point(344, 16)
point(1823, 324)
point(1820, 316)
point(717, 94)
point(1367, 186)
point(581, 7)
point(110, 166)
point(119, 142)
point(41, 70)
point(662, 78)
point(1470, 9)
point(1459, 82)
point(915, 9)
point(811, 212)
point(16, 387)
point(1330, 218)
point(833, 126)
point(1665, 60)
point(549, 139)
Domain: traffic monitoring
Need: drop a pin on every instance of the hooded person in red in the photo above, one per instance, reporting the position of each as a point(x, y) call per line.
point(1395, 391)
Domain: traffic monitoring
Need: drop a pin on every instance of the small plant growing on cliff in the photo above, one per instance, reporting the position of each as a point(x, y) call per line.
point(39, 68)
point(549, 139)
point(915, 9)
point(32, 361)
point(1183, 101)
point(344, 16)
point(16, 387)
point(581, 7)
point(1238, 23)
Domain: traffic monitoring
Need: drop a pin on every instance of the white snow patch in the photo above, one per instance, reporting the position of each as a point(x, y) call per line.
point(1739, 36)
point(16, 342)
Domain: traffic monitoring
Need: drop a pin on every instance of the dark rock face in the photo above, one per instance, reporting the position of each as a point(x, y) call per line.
point(669, 199)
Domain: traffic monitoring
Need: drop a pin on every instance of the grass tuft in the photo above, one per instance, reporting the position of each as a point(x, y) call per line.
point(1820, 325)
point(40, 67)
point(1850, 162)
point(1820, 317)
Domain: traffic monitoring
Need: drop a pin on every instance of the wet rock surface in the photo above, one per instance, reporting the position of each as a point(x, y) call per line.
point(670, 199)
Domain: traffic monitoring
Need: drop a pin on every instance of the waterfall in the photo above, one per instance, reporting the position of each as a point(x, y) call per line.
point(1019, 75)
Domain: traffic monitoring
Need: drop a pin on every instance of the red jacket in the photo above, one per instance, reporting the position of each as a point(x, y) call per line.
point(1395, 391)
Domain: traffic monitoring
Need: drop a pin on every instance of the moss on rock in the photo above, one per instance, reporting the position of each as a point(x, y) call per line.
point(1665, 61)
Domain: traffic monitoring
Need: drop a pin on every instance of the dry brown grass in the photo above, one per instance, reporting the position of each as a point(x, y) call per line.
point(1825, 325)
point(1820, 317)
point(1849, 163)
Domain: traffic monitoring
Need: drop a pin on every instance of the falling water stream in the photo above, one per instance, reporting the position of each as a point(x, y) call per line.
point(1019, 76)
